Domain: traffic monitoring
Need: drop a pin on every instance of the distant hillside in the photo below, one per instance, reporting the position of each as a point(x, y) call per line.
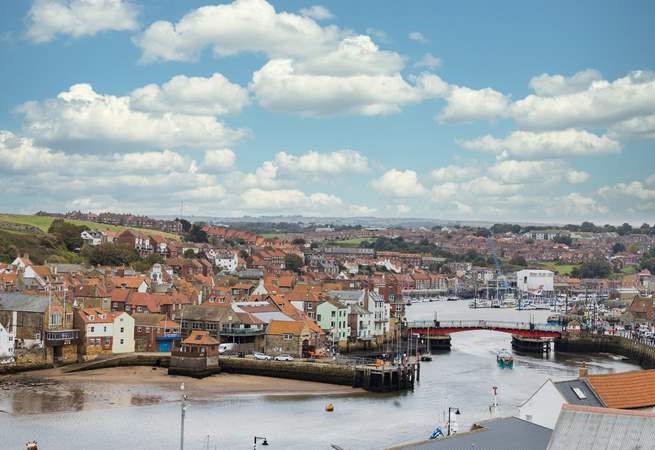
point(43, 224)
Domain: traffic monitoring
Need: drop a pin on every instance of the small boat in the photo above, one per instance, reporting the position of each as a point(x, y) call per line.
point(505, 359)
point(329, 407)
point(426, 357)
point(555, 319)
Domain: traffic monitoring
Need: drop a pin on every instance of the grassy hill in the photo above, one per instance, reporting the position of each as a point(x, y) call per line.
point(39, 246)
point(43, 224)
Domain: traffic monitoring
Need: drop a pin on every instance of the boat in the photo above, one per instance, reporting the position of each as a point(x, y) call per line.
point(426, 357)
point(504, 359)
point(555, 319)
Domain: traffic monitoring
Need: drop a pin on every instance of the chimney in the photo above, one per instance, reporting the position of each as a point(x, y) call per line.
point(583, 372)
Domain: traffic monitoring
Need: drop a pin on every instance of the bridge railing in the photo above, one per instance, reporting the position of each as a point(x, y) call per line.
point(484, 324)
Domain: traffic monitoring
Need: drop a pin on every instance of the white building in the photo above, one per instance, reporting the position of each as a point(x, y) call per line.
point(535, 281)
point(227, 262)
point(364, 322)
point(92, 237)
point(122, 333)
point(7, 345)
point(543, 407)
point(374, 302)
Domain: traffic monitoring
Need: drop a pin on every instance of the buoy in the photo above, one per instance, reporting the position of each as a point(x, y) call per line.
point(329, 407)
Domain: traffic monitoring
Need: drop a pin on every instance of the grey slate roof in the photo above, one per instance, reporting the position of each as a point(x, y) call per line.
point(346, 296)
point(22, 302)
point(204, 313)
point(508, 433)
point(566, 389)
point(586, 428)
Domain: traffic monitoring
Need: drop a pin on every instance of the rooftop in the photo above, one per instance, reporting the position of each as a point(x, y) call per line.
point(626, 390)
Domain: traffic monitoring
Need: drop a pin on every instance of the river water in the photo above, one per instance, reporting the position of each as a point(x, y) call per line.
point(462, 378)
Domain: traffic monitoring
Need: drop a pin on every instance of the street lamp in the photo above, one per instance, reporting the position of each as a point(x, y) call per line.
point(449, 416)
point(263, 439)
point(183, 411)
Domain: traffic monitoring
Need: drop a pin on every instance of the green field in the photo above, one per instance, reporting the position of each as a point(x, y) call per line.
point(44, 222)
point(562, 269)
point(354, 242)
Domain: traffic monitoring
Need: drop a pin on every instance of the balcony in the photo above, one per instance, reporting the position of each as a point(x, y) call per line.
point(62, 337)
point(241, 331)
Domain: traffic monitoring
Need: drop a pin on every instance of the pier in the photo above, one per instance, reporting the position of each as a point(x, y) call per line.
point(640, 352)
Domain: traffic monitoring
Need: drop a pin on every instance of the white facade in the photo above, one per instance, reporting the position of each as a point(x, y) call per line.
point(7, 345)
point(543, 407)
point(227, 263)
point(123, 334)
point(381, 314)
point(535, 280)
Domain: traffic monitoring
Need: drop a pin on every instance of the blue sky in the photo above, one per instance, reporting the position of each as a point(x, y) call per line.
point(540, 111)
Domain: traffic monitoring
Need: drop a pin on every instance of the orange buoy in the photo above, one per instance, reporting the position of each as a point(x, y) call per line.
point(329, 407)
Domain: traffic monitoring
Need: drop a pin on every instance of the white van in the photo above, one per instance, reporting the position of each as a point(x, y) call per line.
point(226, 348)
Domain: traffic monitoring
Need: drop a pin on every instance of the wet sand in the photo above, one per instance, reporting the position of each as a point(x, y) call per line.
point(216, 384)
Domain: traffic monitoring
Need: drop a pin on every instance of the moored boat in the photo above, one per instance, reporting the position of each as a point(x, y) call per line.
point(504, 359)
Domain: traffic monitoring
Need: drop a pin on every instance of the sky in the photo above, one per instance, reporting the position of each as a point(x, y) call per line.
point(497, 111)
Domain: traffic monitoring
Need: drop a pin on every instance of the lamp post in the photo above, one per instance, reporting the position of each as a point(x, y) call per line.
point(259, 438)
point(449, 416)
point(183, 412)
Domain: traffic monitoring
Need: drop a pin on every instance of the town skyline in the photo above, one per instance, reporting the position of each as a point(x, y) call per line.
point(329, 110)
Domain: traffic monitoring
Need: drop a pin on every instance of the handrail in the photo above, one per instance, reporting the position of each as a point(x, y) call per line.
point(485, 324)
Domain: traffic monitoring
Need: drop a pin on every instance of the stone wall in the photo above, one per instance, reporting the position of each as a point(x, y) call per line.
point(642, 354)
point(323, 373)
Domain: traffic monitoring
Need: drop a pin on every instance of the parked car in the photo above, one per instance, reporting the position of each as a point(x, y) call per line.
point(283, 358)
point(261, 356)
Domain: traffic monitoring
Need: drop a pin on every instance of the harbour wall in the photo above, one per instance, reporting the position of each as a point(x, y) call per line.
point(641, 353)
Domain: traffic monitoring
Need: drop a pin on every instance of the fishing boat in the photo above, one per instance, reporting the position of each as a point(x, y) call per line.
point(505, 359)
point(555, 319)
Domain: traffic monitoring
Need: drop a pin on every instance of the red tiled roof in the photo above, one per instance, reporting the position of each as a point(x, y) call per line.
point(626, 390)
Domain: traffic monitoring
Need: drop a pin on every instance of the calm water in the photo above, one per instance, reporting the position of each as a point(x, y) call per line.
point(462, 378)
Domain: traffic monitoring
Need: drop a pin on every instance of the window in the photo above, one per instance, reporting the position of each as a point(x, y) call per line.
point(310, 305)
point(104, 329)
point(332, 324)
point(318, 317)
point(287, 337)
point(528, 417)
point(93, 329)
point(122, 329)
point(139, 329)
point(122, 341)
point(333, 313)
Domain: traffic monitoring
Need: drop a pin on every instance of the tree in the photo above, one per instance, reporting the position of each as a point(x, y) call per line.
point(293, 262)
point(597, 268)
point(566, 240)
point(68, 233)
point(624, 229)
point(110, 255)
point(298, 241)
point(618, 248)
point(518, 260)
point(197, 234)
point(186, 225)
point(190, 254)
point(588, 226)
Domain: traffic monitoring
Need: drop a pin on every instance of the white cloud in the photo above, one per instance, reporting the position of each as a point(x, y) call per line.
point(575, 205)
point(536, 172)
point(82, 119)
point(464, 104)
point(313, 162)
point(379, 35)
point(260, 199)
point(453, 172)
point(362, 210)
point(546, 85)
point(418, 37)
point(215, 95)
point(77, 18)
point(317, 12)
point(277, 87)
point(241, 26)
point(355, 55)
point(399, 183)
point(650, 180)
point(635, 189)
point(577, 176)
point(551, 144)
point(219, 159)
point(601, 103)
point(642, 127)
point(429, 61)
point(264, 176)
